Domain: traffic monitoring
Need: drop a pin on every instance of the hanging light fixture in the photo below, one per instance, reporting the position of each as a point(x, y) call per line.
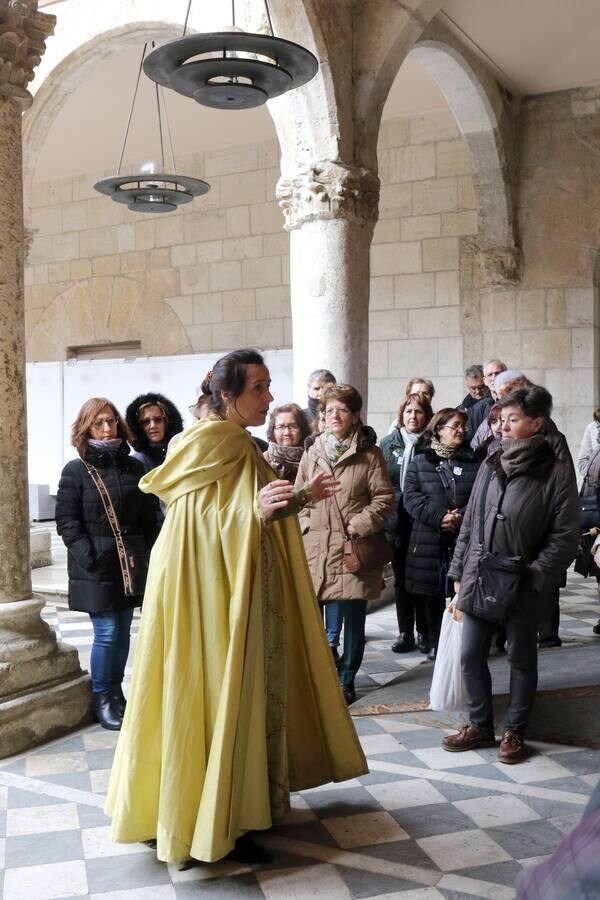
point(152, 189)
point(231, 68)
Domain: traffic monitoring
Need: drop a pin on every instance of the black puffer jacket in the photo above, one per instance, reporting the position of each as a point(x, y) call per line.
point(427, 501)
point(540, 522)
point(95, 583)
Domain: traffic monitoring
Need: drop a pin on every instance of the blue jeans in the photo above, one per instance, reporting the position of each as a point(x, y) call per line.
point(110, 648)
point(334, 620)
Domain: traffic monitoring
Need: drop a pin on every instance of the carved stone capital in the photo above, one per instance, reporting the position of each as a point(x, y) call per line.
point(328, 190)
point(23, 33)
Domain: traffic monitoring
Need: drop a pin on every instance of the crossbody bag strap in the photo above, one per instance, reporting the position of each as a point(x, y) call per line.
point(113, 521)
point(486, 484)
point(442, 476)
point(337, 509)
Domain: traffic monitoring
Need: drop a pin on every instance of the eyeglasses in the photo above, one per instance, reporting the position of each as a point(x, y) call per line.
point(109, 420)
point(151, 419)
point(459, 427)
point(286, 428)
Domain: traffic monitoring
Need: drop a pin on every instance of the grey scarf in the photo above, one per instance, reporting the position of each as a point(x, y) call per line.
point(517, 454)
point(410, 439)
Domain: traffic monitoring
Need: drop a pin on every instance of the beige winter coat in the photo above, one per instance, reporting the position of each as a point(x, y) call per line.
point(366, 500)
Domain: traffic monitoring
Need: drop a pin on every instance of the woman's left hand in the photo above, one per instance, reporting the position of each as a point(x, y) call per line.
point(275, 495)
point(323, 486)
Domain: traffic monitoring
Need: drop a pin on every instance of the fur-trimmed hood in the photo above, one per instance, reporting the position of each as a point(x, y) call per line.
point(174, 421)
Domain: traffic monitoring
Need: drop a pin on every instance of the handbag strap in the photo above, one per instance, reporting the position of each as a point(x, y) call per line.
point(442, 476)
point(497, 517)
point(113, 521)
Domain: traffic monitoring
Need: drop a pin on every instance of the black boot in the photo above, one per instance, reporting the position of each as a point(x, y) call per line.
point(118, 700)
point(423, 643)
point(404, 644)
point(104, 711)
point(247, 851)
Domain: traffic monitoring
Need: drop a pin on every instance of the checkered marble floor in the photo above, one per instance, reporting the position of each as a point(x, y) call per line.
point(423, 824)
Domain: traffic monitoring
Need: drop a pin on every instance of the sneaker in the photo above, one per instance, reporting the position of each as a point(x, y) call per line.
point(469, 737)
point(511, 749)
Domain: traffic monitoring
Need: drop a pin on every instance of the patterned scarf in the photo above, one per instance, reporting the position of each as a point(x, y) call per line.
point(334, 448)
point(110, 445)
point(285, 460)
point(442, 449)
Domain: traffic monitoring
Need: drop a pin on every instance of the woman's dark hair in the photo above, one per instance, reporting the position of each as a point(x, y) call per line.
point(301, 421)
point(229, 374)
point(80, 431)
point(442, 418)
point(535, 401)
point(421, 400)
point(345, 393)
point(597, 414)
point(133, 414)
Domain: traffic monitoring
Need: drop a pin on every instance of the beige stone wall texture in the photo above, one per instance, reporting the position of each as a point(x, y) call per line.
point(215, 274)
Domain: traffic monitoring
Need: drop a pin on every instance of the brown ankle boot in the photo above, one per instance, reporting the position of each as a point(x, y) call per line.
point(468, 738)
point(511, 749)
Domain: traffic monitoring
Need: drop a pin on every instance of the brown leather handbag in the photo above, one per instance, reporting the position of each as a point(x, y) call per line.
point(363, 555)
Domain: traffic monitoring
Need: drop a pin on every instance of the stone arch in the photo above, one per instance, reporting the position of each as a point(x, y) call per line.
point(483, 114)
point(106, 310)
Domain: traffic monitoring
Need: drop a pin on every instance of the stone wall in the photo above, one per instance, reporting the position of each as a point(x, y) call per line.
point(215, 274)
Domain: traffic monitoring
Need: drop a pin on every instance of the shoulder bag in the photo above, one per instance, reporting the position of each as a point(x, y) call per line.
point(589, 513)
point(131, 548)
point(363, 555)
point(498, 577)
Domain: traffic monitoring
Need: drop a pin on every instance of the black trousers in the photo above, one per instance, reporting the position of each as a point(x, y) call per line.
point(408, 607)
point(521, 647)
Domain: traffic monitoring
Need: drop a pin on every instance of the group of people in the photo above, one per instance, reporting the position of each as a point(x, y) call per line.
point(239, 691)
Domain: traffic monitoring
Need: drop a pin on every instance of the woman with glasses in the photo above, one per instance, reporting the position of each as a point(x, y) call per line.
point(287, 431)
point(100, 437)
point(346, 449)
point(437, 487)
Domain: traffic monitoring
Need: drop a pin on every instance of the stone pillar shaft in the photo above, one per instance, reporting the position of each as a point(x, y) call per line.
point(15, 573)
point(330, 210)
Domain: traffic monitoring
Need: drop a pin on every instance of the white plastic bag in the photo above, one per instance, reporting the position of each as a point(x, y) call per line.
point(447, 690)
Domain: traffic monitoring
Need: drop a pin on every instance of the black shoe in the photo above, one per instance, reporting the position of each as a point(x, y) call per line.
point(545, 643)
point(404, 644)
point(423, 645)
point(104, 711)
point(247, 851)
point(596, 628)
point(349, 693)
point(432, 653)
point(118, 700)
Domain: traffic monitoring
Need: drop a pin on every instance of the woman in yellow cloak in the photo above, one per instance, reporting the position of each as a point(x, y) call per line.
point(234, 698)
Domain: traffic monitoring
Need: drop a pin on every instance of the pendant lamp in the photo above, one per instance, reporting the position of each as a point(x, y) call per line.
point(152, 189)
point(231, 68)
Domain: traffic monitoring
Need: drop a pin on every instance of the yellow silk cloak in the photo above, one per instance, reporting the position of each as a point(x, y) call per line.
point(234, 697)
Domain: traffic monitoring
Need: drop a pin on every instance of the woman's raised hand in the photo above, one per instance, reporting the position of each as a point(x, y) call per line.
point(275, 495)
point(324, 485)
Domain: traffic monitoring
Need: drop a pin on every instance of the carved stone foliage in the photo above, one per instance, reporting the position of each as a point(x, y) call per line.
point(23, 33)
point(328, 190)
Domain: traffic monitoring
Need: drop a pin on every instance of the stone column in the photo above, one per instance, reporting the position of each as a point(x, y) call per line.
point(43, 691)
point(330, 210)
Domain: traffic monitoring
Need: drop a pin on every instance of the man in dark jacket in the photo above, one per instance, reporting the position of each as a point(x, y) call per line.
point(479, 411)
point(476, 388)
point(317, 381)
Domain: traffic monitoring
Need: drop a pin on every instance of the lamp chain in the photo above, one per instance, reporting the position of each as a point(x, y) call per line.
point(269, 19)
point(187, 15)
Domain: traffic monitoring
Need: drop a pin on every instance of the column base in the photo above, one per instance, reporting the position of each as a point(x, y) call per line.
point(43, 691)
point(44, 714)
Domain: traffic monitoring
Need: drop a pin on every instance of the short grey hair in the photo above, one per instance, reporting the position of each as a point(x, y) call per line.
point(497, 362)
point(321, 375)
point(474, 371)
